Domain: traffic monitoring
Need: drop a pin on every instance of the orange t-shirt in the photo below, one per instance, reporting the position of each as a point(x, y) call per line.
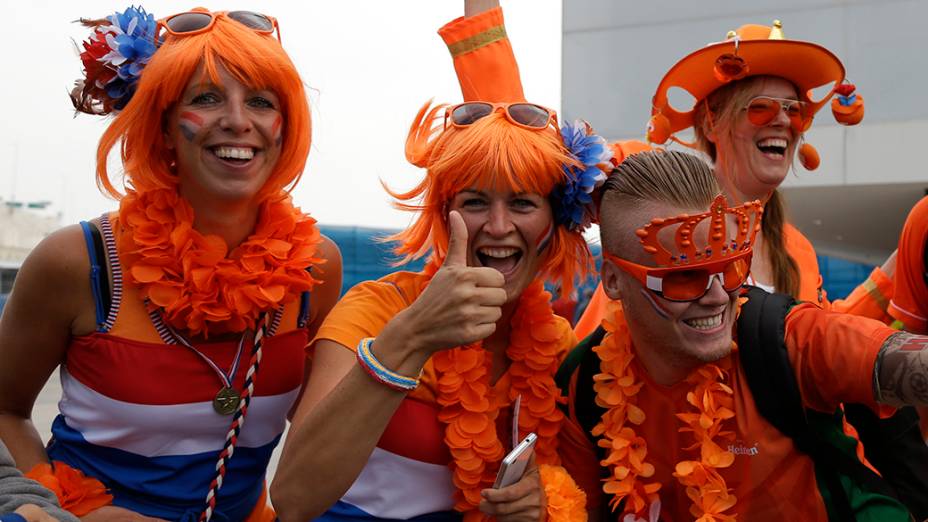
point(771, 479)
point(909, 303)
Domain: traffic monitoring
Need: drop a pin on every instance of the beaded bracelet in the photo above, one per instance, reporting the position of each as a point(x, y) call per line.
point(381, 373)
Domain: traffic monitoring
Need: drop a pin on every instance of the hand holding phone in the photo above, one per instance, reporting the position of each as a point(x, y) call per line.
point(513, 466)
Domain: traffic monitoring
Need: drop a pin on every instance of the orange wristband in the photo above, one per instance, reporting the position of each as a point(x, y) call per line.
point(76, 492)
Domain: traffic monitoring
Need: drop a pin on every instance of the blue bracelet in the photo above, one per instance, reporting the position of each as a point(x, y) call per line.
point(381, 373)
point(12, 517)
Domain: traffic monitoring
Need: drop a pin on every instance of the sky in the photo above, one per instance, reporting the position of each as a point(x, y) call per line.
point(368, 64)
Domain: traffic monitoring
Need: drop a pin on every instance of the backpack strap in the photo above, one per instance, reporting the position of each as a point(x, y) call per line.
point(764, 356)
point(583, 360)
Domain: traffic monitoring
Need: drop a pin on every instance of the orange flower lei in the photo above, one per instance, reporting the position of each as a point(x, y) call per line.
point(469, 407)
point(616, 390)
point(199, 284)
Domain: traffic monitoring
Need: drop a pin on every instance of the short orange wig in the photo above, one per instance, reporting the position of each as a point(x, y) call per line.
point(490, 154)
point(253, 59)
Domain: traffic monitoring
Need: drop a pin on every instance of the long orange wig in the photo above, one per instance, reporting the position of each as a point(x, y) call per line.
point(253, 59)
point(491, 154)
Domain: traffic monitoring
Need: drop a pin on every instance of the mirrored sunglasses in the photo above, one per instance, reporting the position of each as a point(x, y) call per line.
point(196, 22)
point(686, 283)
point(522, 114)
point(764, 109)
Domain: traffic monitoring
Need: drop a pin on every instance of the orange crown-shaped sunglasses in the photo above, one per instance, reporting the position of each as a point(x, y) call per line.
point(687, 274)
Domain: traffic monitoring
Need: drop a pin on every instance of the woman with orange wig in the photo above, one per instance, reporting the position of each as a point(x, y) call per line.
point(184, 314)
point(421, 382)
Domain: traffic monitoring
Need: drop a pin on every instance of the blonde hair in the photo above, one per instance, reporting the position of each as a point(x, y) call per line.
point(256, 60)
point(719, 111)
point(490, 154)
point(674, 178)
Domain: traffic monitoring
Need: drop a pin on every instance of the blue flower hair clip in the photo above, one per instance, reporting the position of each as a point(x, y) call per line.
point(113, 58)
point(573, 201)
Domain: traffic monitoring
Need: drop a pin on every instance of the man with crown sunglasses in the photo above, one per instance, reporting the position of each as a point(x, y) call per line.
point(672, 400)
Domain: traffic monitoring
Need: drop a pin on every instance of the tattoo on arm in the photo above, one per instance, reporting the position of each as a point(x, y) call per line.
point(900, 376)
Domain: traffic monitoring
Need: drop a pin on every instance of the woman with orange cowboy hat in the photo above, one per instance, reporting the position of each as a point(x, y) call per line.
point(419, 378)
point(754, 100)
point(184, 314)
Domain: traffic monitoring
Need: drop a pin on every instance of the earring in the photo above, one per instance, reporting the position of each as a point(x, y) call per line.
point(808, 157)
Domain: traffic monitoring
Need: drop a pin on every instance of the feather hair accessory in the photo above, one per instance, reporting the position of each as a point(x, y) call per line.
point(113, 59)
point(574, 205)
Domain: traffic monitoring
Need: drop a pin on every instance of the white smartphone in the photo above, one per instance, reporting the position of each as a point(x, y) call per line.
point(513, 466)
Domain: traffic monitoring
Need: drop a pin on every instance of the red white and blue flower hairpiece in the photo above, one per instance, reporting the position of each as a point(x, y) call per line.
point(574, 205)
point(113, 58)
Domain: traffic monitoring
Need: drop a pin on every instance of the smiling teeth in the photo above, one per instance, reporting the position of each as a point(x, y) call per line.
point(244, 153)
point(705, 323)
point(773, 142)
point(499, 252)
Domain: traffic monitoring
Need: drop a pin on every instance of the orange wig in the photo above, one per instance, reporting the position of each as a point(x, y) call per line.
point(253, 59)
point(491, 154)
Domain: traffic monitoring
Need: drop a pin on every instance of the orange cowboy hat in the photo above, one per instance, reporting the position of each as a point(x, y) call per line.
point(753, 50)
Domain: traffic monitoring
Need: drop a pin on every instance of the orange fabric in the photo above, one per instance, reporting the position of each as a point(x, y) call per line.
point(593, 314)
point(483, 58)
point(869, 299)
point(76, 492)
point(771, 479)
point(833, 355)
point(909, 303)
point(263, 511)
point(810, 279)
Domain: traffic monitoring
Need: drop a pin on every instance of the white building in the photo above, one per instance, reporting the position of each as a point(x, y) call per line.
point(853, 206)
point(22, 226)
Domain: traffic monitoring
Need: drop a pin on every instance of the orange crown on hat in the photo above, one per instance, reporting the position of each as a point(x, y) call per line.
point(753, 50)
point(719, 246)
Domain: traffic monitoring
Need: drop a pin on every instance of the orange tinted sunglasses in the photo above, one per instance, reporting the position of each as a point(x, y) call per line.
point(764, 109)
point(521, 114)
point(196, 22)
point(685, 283)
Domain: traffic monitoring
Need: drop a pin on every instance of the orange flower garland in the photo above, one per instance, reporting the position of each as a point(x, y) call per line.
point(470, 408)
point(201, 286)
point(616, 389)
point(76, 492)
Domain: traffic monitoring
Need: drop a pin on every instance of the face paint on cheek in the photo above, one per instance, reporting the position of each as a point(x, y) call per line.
point(544, 239)
point(190, 124)
point(276, 130)
point(654, 304)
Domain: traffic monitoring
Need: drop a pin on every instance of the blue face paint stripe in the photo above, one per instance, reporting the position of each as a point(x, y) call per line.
point(654, 304)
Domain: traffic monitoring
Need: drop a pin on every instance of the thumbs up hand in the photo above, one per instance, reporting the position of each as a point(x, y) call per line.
point(461, 303)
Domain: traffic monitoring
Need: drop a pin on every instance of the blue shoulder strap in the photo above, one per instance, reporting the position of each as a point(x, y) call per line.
point(95, 271)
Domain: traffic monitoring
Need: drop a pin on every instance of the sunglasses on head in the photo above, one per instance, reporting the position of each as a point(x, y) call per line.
point(688, 282)
point(763, 109)
point(527, 115)
point(196, 22)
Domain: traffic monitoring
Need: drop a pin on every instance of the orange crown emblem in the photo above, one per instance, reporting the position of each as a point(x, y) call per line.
point(719, 246)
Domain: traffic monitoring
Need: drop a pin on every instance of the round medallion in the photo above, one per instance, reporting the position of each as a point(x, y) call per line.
point(226, 401)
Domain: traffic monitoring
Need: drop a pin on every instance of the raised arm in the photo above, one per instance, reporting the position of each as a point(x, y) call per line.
point(901, 374)
point(344, 411)
point(482, 54)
